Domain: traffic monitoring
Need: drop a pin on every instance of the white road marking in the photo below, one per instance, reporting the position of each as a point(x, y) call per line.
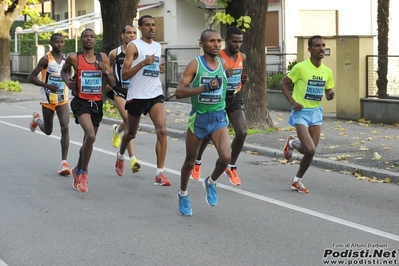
point(320, 215)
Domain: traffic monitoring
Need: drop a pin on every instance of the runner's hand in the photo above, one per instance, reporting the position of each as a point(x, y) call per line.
point(212, 85)
point(52, 87)
point(330, 95)
point(296, 106)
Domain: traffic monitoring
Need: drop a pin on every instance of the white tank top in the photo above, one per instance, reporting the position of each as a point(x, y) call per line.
point(145, 84)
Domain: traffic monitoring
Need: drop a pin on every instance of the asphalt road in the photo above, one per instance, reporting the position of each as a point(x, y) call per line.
point(129, 221)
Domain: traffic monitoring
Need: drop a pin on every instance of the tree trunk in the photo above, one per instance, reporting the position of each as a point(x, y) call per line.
point(115, 15)
point(383, 30)
point(5, 26)
point(254, 92)
point(8, 14)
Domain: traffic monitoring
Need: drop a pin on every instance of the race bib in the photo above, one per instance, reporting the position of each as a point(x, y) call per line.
point(234, 81)
point(210, 97)
point(125, 83)
point(153, 69)
point(90, 81)
point(58, 96)
point(315, 90)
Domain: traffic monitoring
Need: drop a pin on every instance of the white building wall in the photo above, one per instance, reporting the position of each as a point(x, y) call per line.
point(191, 22)
point(355, 17)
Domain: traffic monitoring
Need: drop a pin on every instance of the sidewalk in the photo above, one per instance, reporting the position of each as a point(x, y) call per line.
point(346, 146)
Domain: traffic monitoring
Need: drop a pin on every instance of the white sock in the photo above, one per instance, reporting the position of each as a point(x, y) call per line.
point(296, 179)
point(159, 170)
point(117, 130)
point(132, 158)
point(290, 143)
point(198, 161)
point(231, 165)
point(211, 181)
point(121, 156)
point(183, 193)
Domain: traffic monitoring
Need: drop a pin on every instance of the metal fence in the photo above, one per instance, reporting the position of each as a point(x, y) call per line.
point(22, 64)
point(278, 63)
point(176, 61)
point(392, 76)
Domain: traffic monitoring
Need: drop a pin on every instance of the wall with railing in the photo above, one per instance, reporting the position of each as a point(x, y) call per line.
point(392, 76)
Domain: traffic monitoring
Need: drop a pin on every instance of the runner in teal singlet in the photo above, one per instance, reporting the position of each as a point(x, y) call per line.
point(205, 82)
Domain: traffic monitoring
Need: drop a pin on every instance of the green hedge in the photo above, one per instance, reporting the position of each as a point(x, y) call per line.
point(27, 47)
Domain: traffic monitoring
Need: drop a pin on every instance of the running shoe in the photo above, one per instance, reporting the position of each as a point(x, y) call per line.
point(76, 178)
point(33, 124)
point(162, 180)
point(287, 150)
point(116, 138)
point(134, 165)
point(196, 172)
point(64, 169)
point(184, 205)
point(298, 186)
point(211, 192)
point(233, 176)
point(119, 165)
point(83, 186)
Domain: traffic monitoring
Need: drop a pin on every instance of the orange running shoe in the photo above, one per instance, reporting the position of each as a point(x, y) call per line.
point(64, 169)
point(119, 165)
point(162, 180)
point(233, 176)
point(83, 186)
point(287, 150)
point(76, 178)
point(298, 186)
point(33, 124)
point(196, 172)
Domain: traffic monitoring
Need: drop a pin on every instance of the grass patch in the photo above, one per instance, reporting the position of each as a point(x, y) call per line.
point(252, 131)
point(11, 86)
point(109, 110)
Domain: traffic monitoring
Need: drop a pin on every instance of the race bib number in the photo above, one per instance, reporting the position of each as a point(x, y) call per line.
point(57, 80)
point(210, 97)
point(125, 83)
point(234, 81)
point(91, 81)
point(57, 96)
point(153, 69)
point(315, 90)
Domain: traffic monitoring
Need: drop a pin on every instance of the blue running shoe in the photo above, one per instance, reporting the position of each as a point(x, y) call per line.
point(211, 192)
point(184, 205)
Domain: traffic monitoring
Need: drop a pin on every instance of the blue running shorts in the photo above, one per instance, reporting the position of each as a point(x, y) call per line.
point(203, 125)
point(307, 116)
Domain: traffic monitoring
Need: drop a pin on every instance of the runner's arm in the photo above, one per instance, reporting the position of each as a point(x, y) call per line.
point(70, 62)
point(183, 90)
point(43, 62)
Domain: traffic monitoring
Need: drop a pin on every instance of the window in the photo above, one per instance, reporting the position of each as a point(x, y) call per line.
point(66, 15)
point(272, 29)
point(81, 12)
point(57, 17)
point(159, 32)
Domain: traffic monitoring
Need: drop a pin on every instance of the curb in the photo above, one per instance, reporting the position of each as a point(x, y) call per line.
point(317, 162)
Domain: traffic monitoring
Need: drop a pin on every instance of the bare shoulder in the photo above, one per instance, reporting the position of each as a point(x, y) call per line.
point(112, 53)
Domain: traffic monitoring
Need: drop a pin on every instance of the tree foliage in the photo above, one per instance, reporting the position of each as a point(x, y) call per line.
point(9, 11)
point(39, 20)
